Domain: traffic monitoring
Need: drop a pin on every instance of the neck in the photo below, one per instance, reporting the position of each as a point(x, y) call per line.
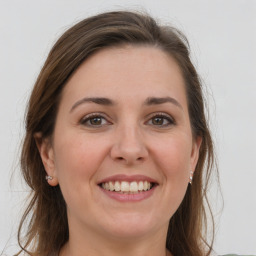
point(89, 243)
point(68, 250)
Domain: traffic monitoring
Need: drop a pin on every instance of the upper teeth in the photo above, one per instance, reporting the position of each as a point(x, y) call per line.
point(125, 186)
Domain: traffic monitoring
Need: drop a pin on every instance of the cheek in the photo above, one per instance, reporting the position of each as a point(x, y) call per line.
point(174, 157)
point(77, 160)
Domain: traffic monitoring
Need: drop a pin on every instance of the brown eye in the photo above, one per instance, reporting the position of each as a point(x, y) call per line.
point(158, 120)
point(161, 120)
point(94, 120)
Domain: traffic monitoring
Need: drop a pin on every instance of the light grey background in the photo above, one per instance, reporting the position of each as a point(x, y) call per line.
point(223, 42)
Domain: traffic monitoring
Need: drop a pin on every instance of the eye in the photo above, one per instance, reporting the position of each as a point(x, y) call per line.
point(94, 120)
point(161, 120)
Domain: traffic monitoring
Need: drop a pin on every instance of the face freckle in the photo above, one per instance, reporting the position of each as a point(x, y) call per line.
point(123, 116)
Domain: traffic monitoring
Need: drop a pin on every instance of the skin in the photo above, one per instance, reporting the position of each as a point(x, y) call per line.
point(126, 140)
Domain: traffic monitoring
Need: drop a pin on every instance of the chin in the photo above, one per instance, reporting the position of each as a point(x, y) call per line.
point(132, 226)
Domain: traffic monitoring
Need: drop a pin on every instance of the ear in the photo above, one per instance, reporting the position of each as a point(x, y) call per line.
point(46, 152)
point(195, 152)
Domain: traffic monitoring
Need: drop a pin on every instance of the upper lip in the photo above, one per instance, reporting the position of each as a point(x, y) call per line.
point(128, 178)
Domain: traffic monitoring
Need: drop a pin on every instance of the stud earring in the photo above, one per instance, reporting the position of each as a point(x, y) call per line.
point(48, 177)
point(190, 177)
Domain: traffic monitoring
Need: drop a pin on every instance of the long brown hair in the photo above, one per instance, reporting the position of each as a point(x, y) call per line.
point(45, 217)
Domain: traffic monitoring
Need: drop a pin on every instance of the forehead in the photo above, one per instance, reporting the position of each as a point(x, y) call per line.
point(127, 71)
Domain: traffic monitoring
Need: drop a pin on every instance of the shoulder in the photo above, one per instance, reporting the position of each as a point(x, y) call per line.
point(236, 255)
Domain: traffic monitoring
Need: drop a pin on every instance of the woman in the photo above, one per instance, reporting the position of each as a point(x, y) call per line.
point(115, 134)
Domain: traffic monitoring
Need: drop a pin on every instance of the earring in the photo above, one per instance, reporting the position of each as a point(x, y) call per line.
point(48, 177)
point(190, 177)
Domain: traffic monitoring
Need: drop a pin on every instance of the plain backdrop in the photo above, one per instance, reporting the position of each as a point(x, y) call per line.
point(222, 35)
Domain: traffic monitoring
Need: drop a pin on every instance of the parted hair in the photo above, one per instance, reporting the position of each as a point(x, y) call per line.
point(43, 228)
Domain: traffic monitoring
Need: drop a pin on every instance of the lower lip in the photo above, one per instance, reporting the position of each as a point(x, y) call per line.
point(129, 197)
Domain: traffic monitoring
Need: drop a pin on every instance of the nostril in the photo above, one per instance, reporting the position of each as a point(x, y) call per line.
point(122, 158)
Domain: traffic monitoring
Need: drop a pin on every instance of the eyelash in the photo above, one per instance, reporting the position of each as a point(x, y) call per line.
point(89, 117)
point(170, 120)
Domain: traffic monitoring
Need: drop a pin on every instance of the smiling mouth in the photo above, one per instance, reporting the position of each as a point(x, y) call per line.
point(126, 187)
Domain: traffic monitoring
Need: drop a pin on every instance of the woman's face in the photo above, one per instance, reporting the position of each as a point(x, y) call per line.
point(122, 148)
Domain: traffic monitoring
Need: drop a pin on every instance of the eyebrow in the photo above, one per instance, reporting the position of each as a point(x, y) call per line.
point(158, 101)
point(97, 100)
point(108, 102)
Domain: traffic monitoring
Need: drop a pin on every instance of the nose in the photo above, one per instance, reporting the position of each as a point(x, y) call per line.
point(128, 146)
